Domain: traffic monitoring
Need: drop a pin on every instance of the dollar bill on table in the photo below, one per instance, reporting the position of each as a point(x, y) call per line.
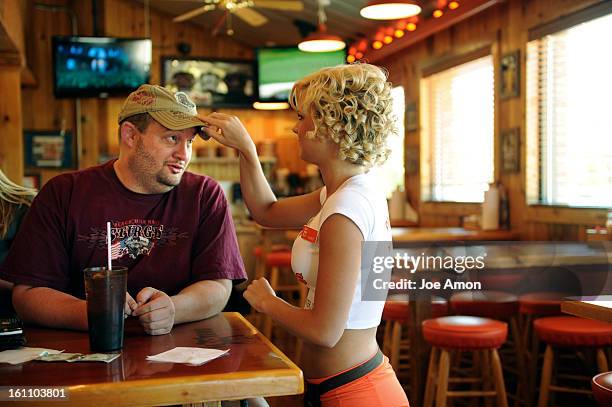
point(98, 357)
point(60, 357)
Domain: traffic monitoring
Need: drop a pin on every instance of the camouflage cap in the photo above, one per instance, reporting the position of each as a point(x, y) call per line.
point(174, 111)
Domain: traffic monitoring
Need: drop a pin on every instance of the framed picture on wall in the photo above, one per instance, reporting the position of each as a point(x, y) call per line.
point(412, 160)
point(510, 82)
point(211, 82)
point(49, 149)
point(31, 180)
point(412, 120)
point(510, 150)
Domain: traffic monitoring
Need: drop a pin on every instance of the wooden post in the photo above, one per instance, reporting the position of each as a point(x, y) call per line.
point(11, 128)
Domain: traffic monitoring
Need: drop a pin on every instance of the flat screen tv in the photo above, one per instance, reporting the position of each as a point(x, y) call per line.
point(279, 68)
point(99, 66)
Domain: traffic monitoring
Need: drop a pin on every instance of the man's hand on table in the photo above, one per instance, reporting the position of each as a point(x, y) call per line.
point(155, 311)
point(130, 305)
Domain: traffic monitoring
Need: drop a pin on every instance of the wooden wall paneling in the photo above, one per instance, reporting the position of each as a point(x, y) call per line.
point(413, 185)
point(41, 110)
point(543, 11)
point(441, 43)
point(12, 38)
point(514, 37)
point(122, 19)
point(90, 131)
point(12, 60)
point(288, 155)
point(90, 128)
point(11, 130)
point(160, 46)
point(110, 112)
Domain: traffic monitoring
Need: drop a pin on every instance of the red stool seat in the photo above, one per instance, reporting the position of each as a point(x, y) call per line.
point(487, 304)
point(397, 308)
point(541, 303)
point(602, 388)
point(573, 331)
point(465, 332)
point(257, 251)
point(278, 259)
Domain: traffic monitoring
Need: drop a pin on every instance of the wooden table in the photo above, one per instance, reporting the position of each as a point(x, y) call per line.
point(599, 308)
point(420, 234)
point(253, 367)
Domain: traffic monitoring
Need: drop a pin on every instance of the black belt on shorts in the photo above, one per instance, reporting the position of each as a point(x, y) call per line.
point(312, 398)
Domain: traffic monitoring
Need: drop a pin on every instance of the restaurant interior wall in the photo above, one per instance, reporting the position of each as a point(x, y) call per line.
point(40, 110)
point(503, 28)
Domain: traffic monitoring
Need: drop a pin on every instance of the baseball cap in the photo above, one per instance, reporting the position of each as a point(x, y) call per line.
point(173, 110)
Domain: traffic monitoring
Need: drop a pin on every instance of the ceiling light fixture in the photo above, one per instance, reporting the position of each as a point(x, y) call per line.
point(390, 9)
point(271, 105)
point(321, 41)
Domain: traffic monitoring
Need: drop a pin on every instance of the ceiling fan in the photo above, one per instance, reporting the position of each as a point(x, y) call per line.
point(242, 9)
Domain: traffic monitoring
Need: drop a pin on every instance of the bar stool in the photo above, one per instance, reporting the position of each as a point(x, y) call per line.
point(501, 306)
point(532, 306)
point(602, 389)
point(566, 331)
point(482, 337)
point(396, 315)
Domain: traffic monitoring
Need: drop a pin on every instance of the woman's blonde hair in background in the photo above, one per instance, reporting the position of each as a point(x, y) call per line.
point(352, 105)
point(11, 196)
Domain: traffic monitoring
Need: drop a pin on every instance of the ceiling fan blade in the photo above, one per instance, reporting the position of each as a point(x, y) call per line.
point(251, 16)
point(219, 24)
point(280, 4)
point(193, 13)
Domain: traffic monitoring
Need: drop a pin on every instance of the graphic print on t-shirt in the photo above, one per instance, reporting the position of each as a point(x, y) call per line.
point(133, 237)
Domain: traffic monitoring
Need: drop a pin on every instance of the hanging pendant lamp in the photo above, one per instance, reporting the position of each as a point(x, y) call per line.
point(321, 41)
point(390, 9)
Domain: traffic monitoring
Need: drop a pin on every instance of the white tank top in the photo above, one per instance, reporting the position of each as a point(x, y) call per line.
point(362, 202)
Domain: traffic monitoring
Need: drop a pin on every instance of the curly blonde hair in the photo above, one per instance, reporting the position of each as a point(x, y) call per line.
point(352, 105)
point(11, 197)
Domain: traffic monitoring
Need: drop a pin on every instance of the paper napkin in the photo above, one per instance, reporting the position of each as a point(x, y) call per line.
point(189, 356)
point(21, 355)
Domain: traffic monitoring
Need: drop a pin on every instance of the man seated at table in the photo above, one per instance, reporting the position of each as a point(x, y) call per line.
point(172, 229)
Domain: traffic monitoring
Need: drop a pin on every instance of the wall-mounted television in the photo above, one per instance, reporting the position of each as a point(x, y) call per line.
point(279, 68)
point(99, 66)
point(211, 82)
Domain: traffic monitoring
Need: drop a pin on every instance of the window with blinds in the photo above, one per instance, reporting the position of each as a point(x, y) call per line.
point(457, 108)
point(569, 116)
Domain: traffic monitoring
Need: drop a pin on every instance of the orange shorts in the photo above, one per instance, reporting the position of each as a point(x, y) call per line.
point(379, 387)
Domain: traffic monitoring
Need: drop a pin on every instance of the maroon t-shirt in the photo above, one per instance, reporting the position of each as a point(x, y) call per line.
point(167, 241)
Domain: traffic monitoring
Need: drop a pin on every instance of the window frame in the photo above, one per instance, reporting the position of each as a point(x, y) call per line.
point(434, 66)
point(538, 211)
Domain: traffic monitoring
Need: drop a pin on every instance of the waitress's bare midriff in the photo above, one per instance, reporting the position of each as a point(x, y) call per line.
point(354, 347)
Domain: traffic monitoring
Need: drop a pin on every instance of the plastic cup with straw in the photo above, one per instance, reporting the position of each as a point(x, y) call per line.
point(105, 290)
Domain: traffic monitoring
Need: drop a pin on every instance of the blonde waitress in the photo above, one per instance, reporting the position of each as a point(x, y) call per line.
point(343, 120)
